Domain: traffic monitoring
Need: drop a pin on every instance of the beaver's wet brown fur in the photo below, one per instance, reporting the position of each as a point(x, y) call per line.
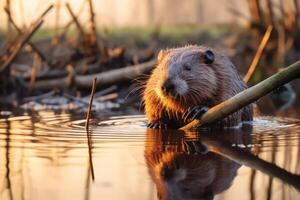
point(184, 78)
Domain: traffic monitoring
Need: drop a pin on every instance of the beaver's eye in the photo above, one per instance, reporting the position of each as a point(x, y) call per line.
point(187, 66)
point(209, 57)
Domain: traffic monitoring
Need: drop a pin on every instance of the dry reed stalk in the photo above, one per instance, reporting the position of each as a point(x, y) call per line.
point(258, 54)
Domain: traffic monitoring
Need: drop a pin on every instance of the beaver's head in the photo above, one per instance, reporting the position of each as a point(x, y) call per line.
point(186, 76)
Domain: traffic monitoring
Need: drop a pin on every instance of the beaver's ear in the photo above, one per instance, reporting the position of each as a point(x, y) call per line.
point(161, 54)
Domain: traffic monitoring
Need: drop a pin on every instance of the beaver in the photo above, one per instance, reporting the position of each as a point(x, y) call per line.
point(186, 82)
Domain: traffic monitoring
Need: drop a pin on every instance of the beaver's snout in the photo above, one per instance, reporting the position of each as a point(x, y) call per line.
point(168, 87)
point(174, 87)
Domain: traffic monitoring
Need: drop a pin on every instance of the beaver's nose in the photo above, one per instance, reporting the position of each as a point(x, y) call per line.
point(168, 86)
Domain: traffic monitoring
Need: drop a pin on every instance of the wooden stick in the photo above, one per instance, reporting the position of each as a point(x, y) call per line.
point(117, 75)
point(90, 104)
point(67, 26)
point(75, 19)
point(87, 127)
point(247, 96)
point(258, 54)
point(104, 78)
point(45, 12)
point(20, 45)
point(34, 48)
point(245, 158)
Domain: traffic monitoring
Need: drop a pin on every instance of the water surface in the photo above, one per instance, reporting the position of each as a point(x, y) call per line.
point(45, 155)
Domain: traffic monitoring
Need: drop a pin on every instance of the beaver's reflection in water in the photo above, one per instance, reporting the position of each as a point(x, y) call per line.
point(182, 167)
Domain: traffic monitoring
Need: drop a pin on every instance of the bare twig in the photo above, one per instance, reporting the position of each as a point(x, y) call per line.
point(34, 48)
point(90, 104)
point(20, 45)
point(45, 12)
point(87, 127)
point(117, 75)
point(258, 54)
point(67, 26)
point(247, 96)
point(75, 19)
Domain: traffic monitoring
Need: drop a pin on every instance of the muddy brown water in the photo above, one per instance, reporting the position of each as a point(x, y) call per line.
point(46, 156)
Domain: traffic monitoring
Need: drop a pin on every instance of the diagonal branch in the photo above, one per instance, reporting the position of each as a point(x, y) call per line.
point(34, 48)
point(24, 39)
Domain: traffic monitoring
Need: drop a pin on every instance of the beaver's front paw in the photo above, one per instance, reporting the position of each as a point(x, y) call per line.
point(157, 125)
point(194, 113)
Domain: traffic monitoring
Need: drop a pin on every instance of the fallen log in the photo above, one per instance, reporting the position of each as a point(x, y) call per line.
point(103, 78)
point(116, 75)
point(247, 96)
